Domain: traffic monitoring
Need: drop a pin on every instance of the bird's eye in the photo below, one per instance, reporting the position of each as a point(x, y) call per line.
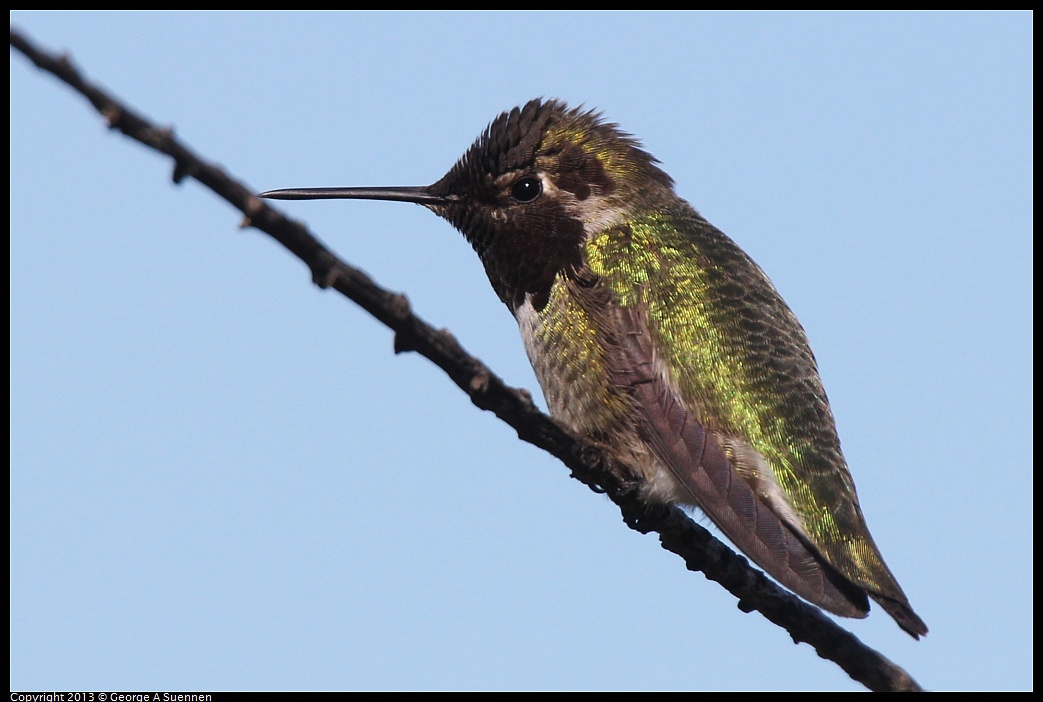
point(527, 189)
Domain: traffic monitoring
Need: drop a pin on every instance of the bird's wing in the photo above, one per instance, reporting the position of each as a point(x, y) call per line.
point(730, 400)
point(698, 460)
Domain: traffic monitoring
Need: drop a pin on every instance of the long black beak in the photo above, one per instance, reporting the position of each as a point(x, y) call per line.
point(421, 195)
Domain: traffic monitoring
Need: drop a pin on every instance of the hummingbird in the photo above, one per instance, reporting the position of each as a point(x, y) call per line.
point(655, 337)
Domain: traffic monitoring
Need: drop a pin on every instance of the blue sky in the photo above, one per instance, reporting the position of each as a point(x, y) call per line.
point(223, 478)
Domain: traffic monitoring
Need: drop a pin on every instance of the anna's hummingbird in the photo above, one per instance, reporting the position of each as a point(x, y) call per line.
point(654, 336)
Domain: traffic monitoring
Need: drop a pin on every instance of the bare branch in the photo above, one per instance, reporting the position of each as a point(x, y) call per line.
point(678, 534)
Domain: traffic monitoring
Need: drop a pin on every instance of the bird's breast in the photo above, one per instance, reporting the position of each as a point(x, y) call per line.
point(573, 347)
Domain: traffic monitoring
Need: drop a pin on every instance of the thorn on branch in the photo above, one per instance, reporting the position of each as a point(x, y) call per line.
point(479, 383)
point(448, 339)
point(324, 278)
point(181, 171)
point(112, 114)
point(400, 307)
point(254, 206)
point(404, 342)
point(525, 396)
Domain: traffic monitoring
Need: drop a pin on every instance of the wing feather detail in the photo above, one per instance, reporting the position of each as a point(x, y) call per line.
point(698, 462)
